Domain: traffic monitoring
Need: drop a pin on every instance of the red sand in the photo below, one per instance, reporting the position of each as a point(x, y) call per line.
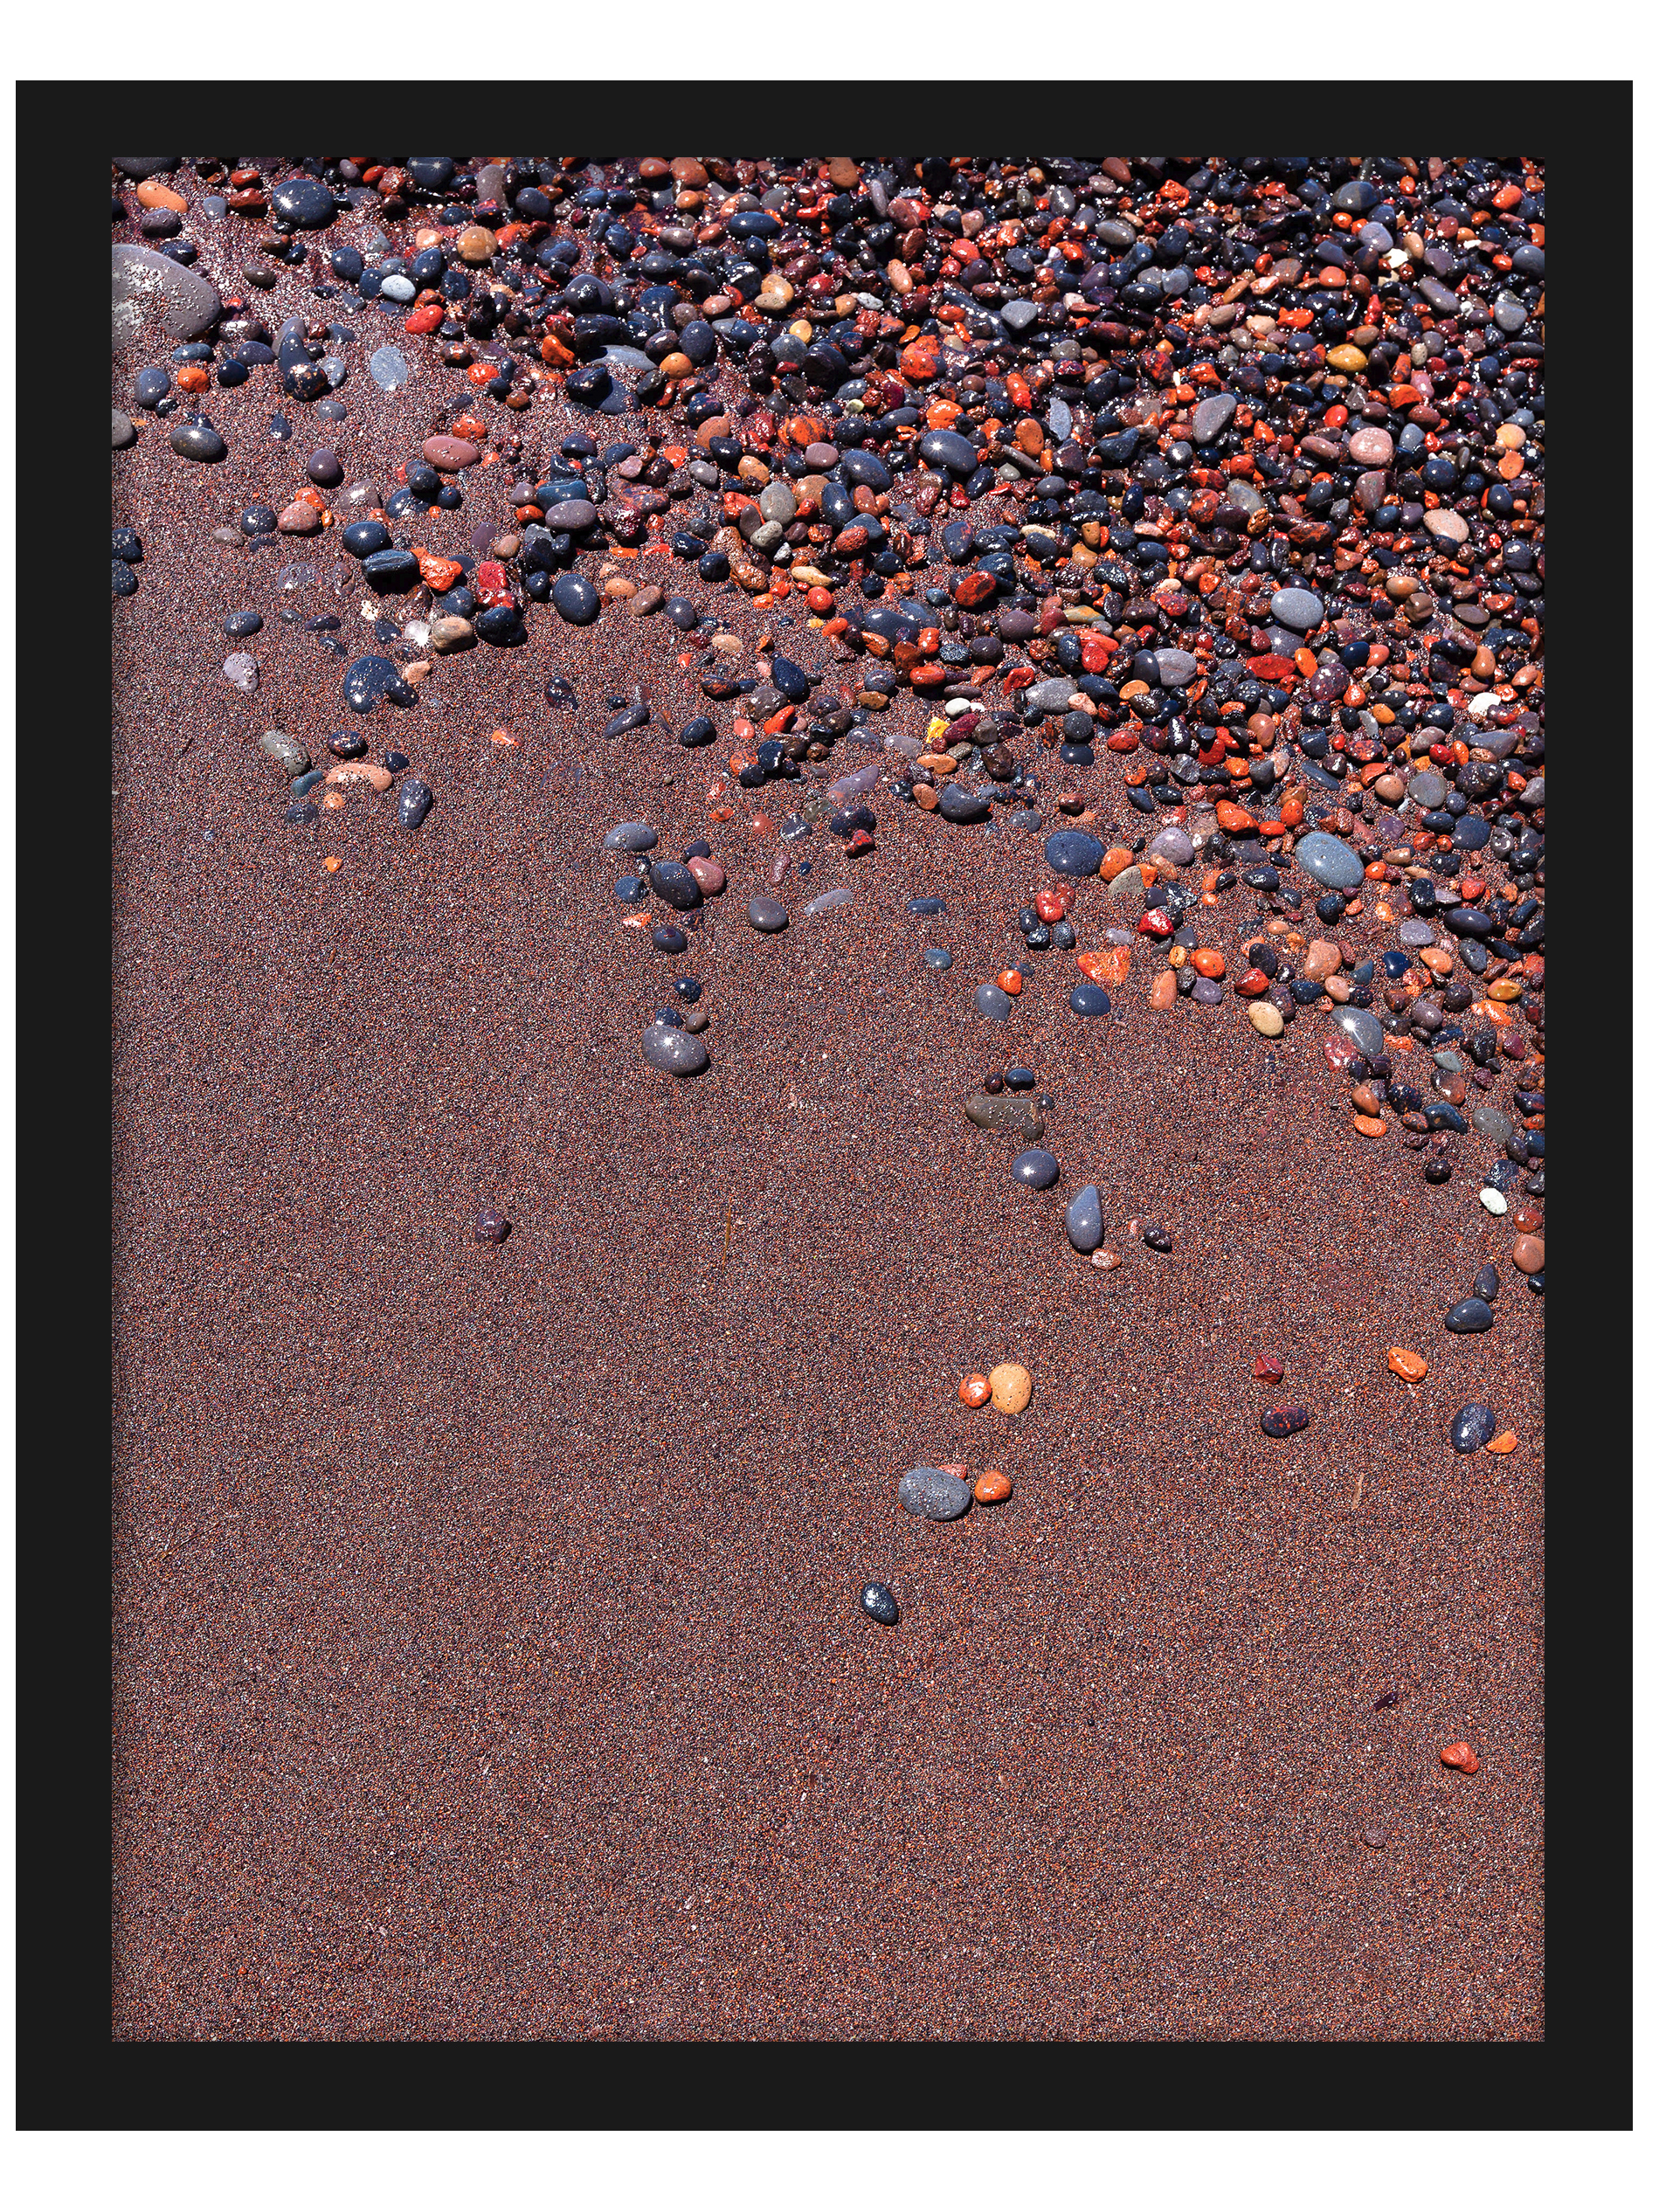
point(490, 1663)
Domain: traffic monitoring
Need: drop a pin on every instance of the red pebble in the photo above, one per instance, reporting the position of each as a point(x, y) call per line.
point(424, 320)
point(1461, 1756)
point(1156, 923)
point(1268, 1366)
point(1251, 983)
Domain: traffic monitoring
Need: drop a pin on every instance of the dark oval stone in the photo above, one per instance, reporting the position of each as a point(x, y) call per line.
point(574, 598)
point(1074, 852)
point(304, 201)
point(1473, 1427)
point(949, 449)
point(767, 914)
point(361, 539)
point(1090, 1001)
point(1283, 1421)
point(371, 677)
point(879, 1602)
point(1468, 1316)
point(197, 442)
point(1036, 1169)
point(125, 581)
point(491, 1226)
point(391, 570)
point(674, 884)
point(957, 805)
point(414, 802)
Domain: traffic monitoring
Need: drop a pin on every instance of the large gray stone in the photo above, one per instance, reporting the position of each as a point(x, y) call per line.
point(150, 291)
point(672, 1052)
point(934, 1495)
point(1330, 862)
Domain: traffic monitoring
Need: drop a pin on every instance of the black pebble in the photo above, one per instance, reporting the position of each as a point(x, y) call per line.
point(880, 1603)
point(413, 802)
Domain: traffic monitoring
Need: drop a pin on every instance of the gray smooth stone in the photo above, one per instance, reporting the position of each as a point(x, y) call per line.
point(1126, 879)
point(767, 914)
point(139, 166)
point(1427, 787)
point(1415, 934)
point(1211, 416)
point(1084, 1224)
point(1493, 1123)
point(629, 836)
point(1173, 844)
point(957, 805)
point(149, 286)
point(1004, 1111)
point(1296, 609)
point(672, 1051)
point(1037, 1170)
point(1330, 862)
point(991, 1000)
point(197, 442)
point(933, 1495)
point(1174, 666)
point(388, 368)
point(121, 430)
point(1362, 1029)
point(1018, 314)
point(289, 755)
point(573, 514)
point(1051, 696)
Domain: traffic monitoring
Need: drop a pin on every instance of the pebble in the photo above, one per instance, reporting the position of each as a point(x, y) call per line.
point(1085, 1224)
point(1330, 862)
point(1036, 1169)
point(574, 598)
point(767, 914)
point(629, 836)
point(1472, 1428)
point(880, 1603)
point(993, 1003)
point(1003, 1112)
point(196, 441)
point(1468, 1316)
point(1266, 1018)
point(1010, 1388)
point(491, 1227)
point(1074, 852)
point(1089, 1000)
point(152, 288)
point(937, 957)
point(243, 670)
point(1461, 1757)
point(673, 1052)
point(1406, 1364)
point(1362, 1029)
point(1528, 1255)
point(934, 1495)
point(993, 1488)
point(371, 677)
point(1297, 610)
point(388, 368)
point(1495, 1202)
point(1283, 1421)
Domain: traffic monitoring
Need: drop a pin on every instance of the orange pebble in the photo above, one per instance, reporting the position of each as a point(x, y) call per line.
point(1012, 981)
point(1209, 963)
point(974, 1389)
point(1407, 1364)
point(332, 862)
point(1506, 1442)
point(992, 1487)
point(1461, 1756)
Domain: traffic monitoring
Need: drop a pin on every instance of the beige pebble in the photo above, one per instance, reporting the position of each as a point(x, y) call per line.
point(1266, 1017)
point(360, 771)
point(1010, 1388)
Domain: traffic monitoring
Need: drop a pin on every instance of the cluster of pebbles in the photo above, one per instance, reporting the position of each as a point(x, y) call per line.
point(1186, 519)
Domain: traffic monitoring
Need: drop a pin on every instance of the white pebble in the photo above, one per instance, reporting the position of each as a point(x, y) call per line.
point(1494, 1201)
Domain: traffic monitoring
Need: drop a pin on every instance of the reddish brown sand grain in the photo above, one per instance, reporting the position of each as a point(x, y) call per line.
point(489, 1658)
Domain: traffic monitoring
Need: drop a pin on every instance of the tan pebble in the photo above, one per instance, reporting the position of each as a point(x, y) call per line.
point(360, 771)
point(1104, 1258)
point(1266, 1018)
point(1162, 994)
point(1010, 1388)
